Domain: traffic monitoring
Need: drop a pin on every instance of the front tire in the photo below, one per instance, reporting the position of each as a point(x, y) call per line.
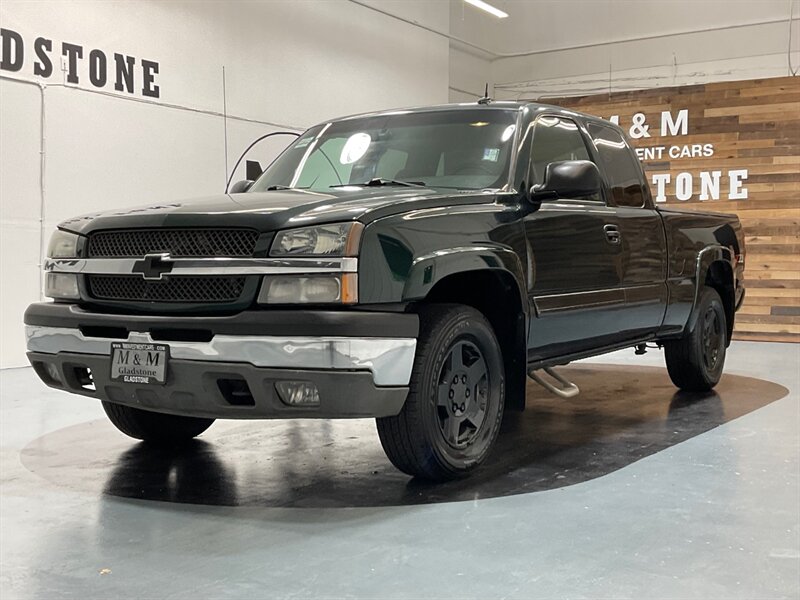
point(695, 361)
point(154, 427)
point(454, 408)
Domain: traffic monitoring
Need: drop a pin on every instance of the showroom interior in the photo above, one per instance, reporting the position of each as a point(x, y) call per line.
point(611, 483)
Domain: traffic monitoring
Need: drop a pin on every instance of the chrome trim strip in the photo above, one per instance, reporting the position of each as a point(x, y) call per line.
point(389, 359)
point(579, 300)
point(206, 266)
point(458, 250)
point(634, 294)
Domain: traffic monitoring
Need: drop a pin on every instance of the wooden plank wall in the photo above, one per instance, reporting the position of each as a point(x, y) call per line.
point(750, 125)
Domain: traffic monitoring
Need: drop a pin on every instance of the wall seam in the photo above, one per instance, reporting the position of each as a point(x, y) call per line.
point(643, 38)
point(171, 105)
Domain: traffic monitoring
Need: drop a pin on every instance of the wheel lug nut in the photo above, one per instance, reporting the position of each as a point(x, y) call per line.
point(467, 393)
point(463, 379)
point(455, 379)
point(451, 394)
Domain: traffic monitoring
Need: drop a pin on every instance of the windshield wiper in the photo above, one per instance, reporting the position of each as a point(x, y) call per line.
point(380, 181)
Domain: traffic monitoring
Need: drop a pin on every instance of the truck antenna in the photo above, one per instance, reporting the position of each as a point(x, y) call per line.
point(485, 99)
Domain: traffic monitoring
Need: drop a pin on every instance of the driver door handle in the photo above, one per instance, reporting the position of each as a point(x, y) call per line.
point(613, 235)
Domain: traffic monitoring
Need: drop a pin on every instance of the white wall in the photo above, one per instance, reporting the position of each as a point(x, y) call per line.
point(547, 48)
point(469, 74)
point(746, 52)
point(287, 64)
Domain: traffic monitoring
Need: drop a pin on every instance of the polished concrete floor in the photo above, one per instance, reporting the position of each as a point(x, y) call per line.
point(630, 490)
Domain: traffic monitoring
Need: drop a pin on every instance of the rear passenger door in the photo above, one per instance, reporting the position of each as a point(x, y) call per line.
point(575, 291)
point(642, 241)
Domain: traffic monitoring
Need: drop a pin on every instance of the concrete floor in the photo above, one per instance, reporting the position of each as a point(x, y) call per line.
point(644, 496)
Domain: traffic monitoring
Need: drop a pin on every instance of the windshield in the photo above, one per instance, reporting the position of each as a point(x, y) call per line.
point(460, 149)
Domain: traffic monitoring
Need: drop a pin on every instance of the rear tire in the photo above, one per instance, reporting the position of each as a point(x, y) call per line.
point(454, 408)
point(154, 427)
point(696, 360)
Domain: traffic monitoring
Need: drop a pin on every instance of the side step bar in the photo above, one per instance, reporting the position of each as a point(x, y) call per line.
point(564, 389)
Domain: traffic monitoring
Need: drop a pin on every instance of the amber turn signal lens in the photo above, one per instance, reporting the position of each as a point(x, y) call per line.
point(349, 288)
point(353, 239)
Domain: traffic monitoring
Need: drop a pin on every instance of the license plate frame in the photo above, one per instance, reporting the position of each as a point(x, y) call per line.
point(136, 363)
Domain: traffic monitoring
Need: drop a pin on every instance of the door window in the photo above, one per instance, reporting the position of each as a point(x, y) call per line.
point(555, 139)
point(622, 169)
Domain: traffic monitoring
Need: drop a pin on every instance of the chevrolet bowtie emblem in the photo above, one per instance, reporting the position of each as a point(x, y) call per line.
point(153, 266)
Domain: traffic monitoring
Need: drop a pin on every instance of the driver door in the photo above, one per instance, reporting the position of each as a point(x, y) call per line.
point(574, 294)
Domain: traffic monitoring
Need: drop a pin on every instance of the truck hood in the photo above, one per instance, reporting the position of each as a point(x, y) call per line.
point(270, 211)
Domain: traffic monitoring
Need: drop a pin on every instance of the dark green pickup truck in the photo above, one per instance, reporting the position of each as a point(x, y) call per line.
point(413, 266)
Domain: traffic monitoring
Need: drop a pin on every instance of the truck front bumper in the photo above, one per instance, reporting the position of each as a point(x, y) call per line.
point(229, 367)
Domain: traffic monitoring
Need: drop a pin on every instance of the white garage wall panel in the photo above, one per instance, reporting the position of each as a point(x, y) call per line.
point(19, 213)
point(551, 49)
point(726, 54)
point(287, 65)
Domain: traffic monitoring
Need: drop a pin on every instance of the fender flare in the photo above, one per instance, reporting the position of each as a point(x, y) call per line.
point(434, 267)
point(429, 269)
point(705, 258)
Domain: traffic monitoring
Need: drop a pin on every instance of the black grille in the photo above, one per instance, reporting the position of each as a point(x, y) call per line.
point(177, 242)
point(134, 288)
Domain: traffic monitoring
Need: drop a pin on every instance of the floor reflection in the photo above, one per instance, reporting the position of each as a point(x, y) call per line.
point(623, 414)
point(174, 474)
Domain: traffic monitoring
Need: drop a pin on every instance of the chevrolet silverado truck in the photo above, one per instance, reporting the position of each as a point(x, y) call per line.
point(413, 266)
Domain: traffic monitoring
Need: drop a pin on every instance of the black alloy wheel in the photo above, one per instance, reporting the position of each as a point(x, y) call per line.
point(462, 395)
point(713, 339)
point(695, 361)
point(454, 408)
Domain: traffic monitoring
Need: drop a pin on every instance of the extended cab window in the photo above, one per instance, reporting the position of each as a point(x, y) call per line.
point(555, 139)
point(621, 166)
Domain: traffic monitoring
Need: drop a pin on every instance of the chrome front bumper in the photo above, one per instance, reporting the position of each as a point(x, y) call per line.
point(389, 360)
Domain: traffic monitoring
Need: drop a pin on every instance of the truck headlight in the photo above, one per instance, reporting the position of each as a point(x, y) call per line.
point(337, 239)
point(63, 244)
point(62, 286)
point(310, 289)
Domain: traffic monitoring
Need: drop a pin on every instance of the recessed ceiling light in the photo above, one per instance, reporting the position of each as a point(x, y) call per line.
point(488, 8)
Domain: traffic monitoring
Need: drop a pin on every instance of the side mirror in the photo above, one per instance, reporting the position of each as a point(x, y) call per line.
point(579, 179)
point(241, 187)
point(253, 170)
